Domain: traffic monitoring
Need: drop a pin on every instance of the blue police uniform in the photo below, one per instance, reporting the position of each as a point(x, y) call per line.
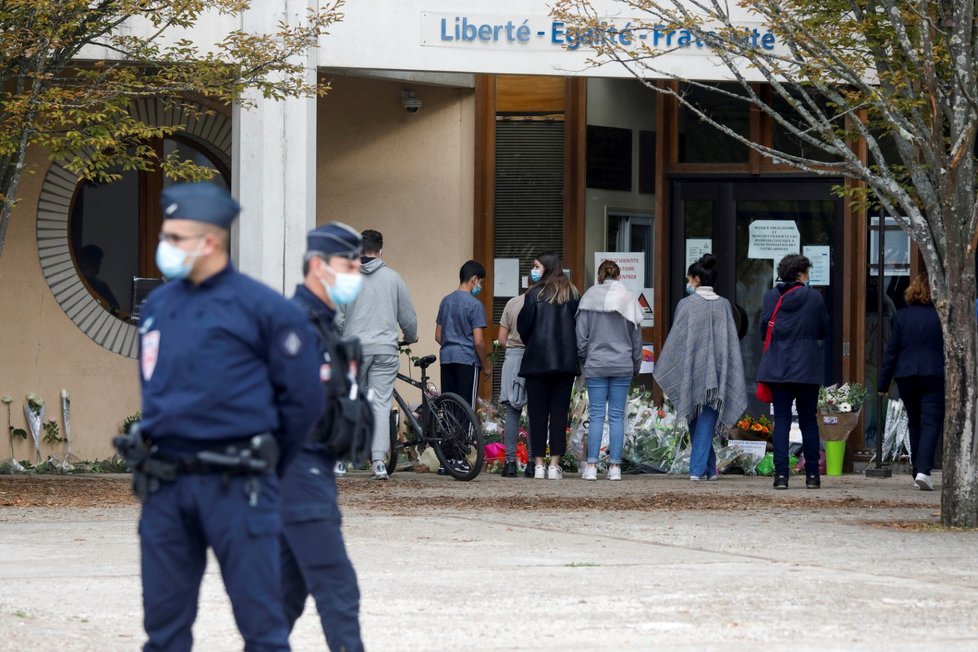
point(314, 559)
point(219, 362)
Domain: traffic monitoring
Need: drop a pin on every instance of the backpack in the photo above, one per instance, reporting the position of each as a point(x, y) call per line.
point(346, 428)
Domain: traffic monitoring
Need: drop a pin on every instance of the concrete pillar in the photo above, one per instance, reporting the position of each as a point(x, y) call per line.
point(274, 167)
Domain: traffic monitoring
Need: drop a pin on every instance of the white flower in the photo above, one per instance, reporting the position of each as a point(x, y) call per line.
point(7, 399)
point(845, 407)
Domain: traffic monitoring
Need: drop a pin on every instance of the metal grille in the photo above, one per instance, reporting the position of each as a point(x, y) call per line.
point(529, 197)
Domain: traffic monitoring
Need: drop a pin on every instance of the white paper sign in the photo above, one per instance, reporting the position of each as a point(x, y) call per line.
point(506, 277)
point(756, 449)
point(632, 265)
point(820, 255)
point(695, 248)
point(773, 239)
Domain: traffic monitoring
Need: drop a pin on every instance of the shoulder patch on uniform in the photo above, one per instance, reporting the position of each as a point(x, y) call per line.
point(290, 343)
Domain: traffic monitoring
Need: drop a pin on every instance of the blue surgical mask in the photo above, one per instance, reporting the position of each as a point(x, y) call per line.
point(345, 288)
point(690, 289)
point(476, 290)
point(175, 263)
point(535, 275)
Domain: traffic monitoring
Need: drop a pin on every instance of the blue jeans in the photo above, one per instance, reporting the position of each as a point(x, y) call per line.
point(613, 392)
point(702, 457)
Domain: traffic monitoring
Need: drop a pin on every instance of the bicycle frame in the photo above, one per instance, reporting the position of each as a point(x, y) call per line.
point(406, 410)
point(413, 422)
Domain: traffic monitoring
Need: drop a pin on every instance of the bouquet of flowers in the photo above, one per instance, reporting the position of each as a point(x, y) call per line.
point(753, 428)
point(34, 413)
point(843, 399)
point(13, 466)
point(839, 409)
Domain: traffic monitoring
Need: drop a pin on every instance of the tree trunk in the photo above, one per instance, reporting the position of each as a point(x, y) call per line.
point(9, 180)
point(959, 494)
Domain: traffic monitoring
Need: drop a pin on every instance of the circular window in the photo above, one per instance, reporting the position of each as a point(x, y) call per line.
point(97, 241)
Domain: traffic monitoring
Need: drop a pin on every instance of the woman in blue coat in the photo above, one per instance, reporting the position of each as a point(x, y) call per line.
point(915, 357)
point(793, 364)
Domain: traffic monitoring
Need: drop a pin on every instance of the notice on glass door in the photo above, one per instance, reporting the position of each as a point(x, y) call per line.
point(773, 239)
point(695, 248)
point(820, 256)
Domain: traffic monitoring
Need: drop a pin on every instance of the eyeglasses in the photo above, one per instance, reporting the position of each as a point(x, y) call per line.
point(175, 239)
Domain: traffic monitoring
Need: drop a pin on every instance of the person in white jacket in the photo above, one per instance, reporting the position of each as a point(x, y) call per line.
point(382, 307)
point(609, 345)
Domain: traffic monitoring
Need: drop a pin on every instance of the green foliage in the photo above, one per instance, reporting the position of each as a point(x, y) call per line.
point(52, 433)
point(53, 467)
point(128, 421)
point(79, 111)
point(17, 432)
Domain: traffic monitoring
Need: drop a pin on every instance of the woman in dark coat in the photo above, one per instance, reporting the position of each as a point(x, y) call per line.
point(915, 357)
point(793, 365)
point(547, 326)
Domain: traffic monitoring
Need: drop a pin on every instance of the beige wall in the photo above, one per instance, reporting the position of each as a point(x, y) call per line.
point(42, 351)
point(408, 176)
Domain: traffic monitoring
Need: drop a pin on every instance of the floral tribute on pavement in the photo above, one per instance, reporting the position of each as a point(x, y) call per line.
point(655, 440)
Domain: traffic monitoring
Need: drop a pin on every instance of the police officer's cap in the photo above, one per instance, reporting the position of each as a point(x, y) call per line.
point(335, 239)
point(200, 202)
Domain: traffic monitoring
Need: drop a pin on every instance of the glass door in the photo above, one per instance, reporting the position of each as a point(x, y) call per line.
point(749, 225)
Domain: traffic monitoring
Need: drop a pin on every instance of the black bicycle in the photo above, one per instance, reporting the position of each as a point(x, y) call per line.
point(446, 422)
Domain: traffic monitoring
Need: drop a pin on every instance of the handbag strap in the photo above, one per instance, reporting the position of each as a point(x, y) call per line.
point(770, 323)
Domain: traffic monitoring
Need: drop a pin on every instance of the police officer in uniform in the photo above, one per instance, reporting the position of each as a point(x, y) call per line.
point(314, 559)
point(229, 369)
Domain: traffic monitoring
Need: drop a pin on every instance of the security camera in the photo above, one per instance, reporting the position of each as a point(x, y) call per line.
point(410, 101)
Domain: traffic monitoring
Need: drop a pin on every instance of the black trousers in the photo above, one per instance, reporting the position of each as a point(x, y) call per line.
point(805, 398)
point(923, 397)
point(548, 398)
point(461, 379)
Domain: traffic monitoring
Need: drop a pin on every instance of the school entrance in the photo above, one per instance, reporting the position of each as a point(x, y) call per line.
point(749, 224)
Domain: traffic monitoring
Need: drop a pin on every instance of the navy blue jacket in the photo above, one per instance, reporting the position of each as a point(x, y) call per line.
point(915, 347)
point(795, 355)
point(311, 305)
point(225, 360)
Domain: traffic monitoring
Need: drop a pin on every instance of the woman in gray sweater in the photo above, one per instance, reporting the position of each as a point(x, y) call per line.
point(609, 344)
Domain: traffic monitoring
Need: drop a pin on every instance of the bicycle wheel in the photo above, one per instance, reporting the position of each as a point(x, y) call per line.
point(393, 452)
point(457, 438)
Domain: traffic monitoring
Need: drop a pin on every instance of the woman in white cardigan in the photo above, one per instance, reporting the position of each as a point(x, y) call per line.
point(609, 344)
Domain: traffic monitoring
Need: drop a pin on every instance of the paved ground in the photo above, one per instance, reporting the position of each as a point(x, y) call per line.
point(652, 562)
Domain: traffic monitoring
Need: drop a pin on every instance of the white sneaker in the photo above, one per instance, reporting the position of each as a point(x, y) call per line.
point(379, 469)
point(590, 472)
point(340, 469)
point(614, 472)
point(923, 482)
point(539, 472)
point(554, 473)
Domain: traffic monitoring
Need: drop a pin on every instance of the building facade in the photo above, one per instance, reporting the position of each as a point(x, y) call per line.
point(458, 133)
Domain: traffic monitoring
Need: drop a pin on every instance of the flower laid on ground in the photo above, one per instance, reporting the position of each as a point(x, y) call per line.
point(13, 466)
point(843, 399)
point(34, 413)
point(759, 426)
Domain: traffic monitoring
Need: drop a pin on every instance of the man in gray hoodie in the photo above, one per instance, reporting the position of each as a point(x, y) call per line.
point(382, 306)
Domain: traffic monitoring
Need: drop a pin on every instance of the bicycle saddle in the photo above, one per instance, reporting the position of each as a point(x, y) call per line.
point(425, 362)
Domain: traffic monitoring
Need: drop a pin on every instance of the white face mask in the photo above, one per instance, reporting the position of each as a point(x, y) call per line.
point(345, 288)
point(174, 262)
